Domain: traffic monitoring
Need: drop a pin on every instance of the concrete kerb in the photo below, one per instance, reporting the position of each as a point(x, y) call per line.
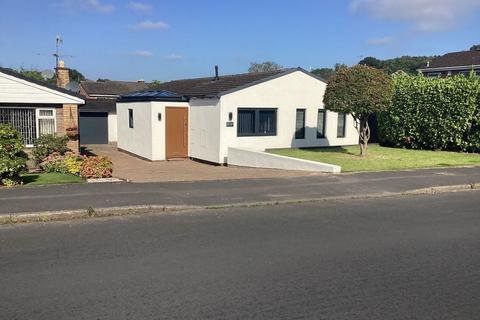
point(87, 213)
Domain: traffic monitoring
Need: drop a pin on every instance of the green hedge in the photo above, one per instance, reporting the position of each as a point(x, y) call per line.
point(432, 113)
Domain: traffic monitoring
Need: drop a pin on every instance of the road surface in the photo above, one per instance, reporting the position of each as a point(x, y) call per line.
point(415, 257)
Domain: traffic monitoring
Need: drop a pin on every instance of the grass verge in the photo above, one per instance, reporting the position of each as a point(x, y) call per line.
point(382, 158)
point(36, 179)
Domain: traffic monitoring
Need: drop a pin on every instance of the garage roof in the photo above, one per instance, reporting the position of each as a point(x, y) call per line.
point(204, 87)
point(110, 87)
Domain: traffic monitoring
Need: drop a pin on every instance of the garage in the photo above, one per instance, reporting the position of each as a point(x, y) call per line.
point(93, 127)
point(98, 122)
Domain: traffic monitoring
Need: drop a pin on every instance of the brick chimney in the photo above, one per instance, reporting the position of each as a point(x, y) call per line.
point(63, 76)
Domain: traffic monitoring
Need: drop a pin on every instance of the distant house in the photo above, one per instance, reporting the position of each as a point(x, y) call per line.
point(453, 63)
point(98, 117)
point(36, 108)
point(206, 118)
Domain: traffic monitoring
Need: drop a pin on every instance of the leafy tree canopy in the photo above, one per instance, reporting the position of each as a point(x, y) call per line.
point(475, 47)
point(264, 66)
point(326, 73)
point(408, 64)
point(360, 91)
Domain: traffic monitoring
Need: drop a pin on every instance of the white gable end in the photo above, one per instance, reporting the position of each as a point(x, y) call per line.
point(15, 90)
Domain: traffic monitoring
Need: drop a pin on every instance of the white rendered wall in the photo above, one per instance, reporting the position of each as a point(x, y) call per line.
point(260, 159)
point(137, 140)
point(296, 90)
point(204, 141)
point(112, 127)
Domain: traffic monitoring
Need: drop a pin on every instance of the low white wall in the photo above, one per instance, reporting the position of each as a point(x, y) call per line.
point(112, 127)
point(261, 159)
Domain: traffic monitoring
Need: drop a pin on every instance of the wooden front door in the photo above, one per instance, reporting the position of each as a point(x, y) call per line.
point(176, 132)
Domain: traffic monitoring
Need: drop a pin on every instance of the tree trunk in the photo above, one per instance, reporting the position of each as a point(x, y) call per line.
point(364, 134)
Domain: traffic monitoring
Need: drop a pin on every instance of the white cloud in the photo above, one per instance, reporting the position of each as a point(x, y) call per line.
point(424, 15)
point(151, 25)
point(380, 41)
point(91, 5)
point(142, 53)
point(174, 56)
point(140, 7)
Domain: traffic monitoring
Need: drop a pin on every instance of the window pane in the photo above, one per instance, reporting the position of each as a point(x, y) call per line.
point(341, 125)
point(23, 120)
point(267, 121)
point(46, 126)
point(45, 113)
point(300, 124)
point(321, 124)
point(246, 122)
point(130, 118)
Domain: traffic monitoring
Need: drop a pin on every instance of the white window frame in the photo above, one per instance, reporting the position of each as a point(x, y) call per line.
point(38, 117)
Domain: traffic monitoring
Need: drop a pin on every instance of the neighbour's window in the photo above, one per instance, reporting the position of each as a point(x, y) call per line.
point(434, 74)
point(342, 119)
point(46, 122)
point(300, 124)
point(322, 116)
point(130, 118)
point(256, 122)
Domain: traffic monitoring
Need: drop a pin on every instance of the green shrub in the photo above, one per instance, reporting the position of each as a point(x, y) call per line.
point(12, 158)
point(434, 114)
point(96, 167)
point(67, 163)
point(48, 144)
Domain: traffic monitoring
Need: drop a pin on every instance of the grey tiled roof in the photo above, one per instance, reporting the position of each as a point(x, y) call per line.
point(209, 86)
point(116, 88)
point(455, 59)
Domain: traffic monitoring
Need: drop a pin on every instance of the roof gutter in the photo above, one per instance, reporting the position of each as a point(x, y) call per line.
point(473, 66)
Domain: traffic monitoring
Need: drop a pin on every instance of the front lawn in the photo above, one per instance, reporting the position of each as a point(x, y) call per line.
point(35, 179)
point(382, 158)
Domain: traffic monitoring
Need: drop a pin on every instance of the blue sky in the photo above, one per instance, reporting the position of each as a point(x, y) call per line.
point(171, 39)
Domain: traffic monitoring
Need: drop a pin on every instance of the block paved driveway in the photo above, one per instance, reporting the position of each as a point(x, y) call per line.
point(130, 168)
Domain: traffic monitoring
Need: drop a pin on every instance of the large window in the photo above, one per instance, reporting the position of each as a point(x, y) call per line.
point(321, 120)
point(341, 124)
point(130, 118)
point(256, 122)
point(300, 124)
point(29, 122)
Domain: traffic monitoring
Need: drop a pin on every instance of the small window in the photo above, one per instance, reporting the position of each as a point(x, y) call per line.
point(46, 122)
point(130, 118)
point(256, 122)
point(300, 124)
point(342, 119)
point(322, 114)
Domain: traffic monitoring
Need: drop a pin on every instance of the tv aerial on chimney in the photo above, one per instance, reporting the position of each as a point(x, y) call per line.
point(56, 54)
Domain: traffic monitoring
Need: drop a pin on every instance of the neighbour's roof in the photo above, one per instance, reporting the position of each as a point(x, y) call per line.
point(45, 84)
point(114, 88)
point(151, 95)
point(209, 86)
point(99, 105)
point(455, 59)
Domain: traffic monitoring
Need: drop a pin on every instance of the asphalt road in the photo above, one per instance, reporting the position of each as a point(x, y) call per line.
point(211, 193)
point(415, 257)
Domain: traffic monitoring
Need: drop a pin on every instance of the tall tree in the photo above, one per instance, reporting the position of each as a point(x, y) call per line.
point(405, 63)
point(360, 91)
point(264, 66)
point(326, 73)
point(475, 47)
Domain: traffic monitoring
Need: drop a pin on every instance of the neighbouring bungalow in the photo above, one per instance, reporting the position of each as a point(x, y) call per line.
point(98, 117)
point(36, 108)
point(205, 118)
point(453, 63)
